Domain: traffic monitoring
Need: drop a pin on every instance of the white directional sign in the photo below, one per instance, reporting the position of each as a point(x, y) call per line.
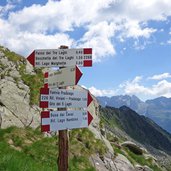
point(61, 57)
point(62, 98)
point(63, 77)
point(61, 120)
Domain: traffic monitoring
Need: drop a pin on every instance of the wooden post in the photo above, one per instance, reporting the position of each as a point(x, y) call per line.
point(63, 150)
point(63, 142)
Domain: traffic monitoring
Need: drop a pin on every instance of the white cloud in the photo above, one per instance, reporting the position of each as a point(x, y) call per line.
point(133, 29)
point(162, 88)
point(25, 42)
point(137, 79)
point(62, 15)
point(37, 41)
point(134, 88)
point(98, 92)
point(147, 10)
point(99, 37)
point(160, 76)
point(102, 20)
point(137, 87)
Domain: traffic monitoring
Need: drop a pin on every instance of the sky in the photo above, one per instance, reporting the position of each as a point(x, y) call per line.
point(131, 40)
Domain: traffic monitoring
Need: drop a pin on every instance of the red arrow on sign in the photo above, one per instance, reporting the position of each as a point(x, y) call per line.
point(90, 118)
point(61, 120)
point(31, 58)
point(78, 75)
point(90, 99)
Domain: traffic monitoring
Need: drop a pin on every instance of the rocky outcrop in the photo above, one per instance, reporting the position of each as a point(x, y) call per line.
point(117, 163)
point(142, 168)
point(133, 147)
point(15, 106)
point(123, 164)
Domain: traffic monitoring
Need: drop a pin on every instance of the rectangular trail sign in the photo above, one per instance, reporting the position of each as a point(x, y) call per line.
point(63, 77)
point(62, 98)
point(61, 57)
point(61, 120)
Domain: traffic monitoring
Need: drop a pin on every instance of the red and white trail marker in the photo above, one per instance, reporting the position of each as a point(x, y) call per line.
point(61, 57)
point(62, 98)
point(61, 120)
point(63, 77)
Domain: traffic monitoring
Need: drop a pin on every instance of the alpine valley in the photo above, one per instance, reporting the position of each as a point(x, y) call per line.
point(159, 109)
point(118, 139)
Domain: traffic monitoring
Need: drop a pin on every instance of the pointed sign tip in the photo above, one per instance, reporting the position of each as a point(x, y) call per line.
point(78, 74)
point(90, 99)
point(31, 58)
point(90, 118)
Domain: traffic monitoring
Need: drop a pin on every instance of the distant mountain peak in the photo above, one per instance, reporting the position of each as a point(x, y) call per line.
point(132, 102)
point(158, 109)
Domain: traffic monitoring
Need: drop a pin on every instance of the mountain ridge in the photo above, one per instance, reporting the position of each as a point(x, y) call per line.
point(158, 109)
point(138, 129)
point(133, 124)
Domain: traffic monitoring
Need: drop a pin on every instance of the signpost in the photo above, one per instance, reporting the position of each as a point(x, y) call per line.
point(61, 120)
point(61, 57)
point(62, 98)
point(63, 77)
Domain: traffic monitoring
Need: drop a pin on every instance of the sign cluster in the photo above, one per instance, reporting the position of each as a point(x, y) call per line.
point(52, 97)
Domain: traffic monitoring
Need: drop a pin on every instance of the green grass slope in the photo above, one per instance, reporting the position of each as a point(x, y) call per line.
point(28, 150)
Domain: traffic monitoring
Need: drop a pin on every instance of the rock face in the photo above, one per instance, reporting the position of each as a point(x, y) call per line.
point(142, 168)
point(15, 106)
point(119, 163)
point(123, 164)
point(133, 147)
